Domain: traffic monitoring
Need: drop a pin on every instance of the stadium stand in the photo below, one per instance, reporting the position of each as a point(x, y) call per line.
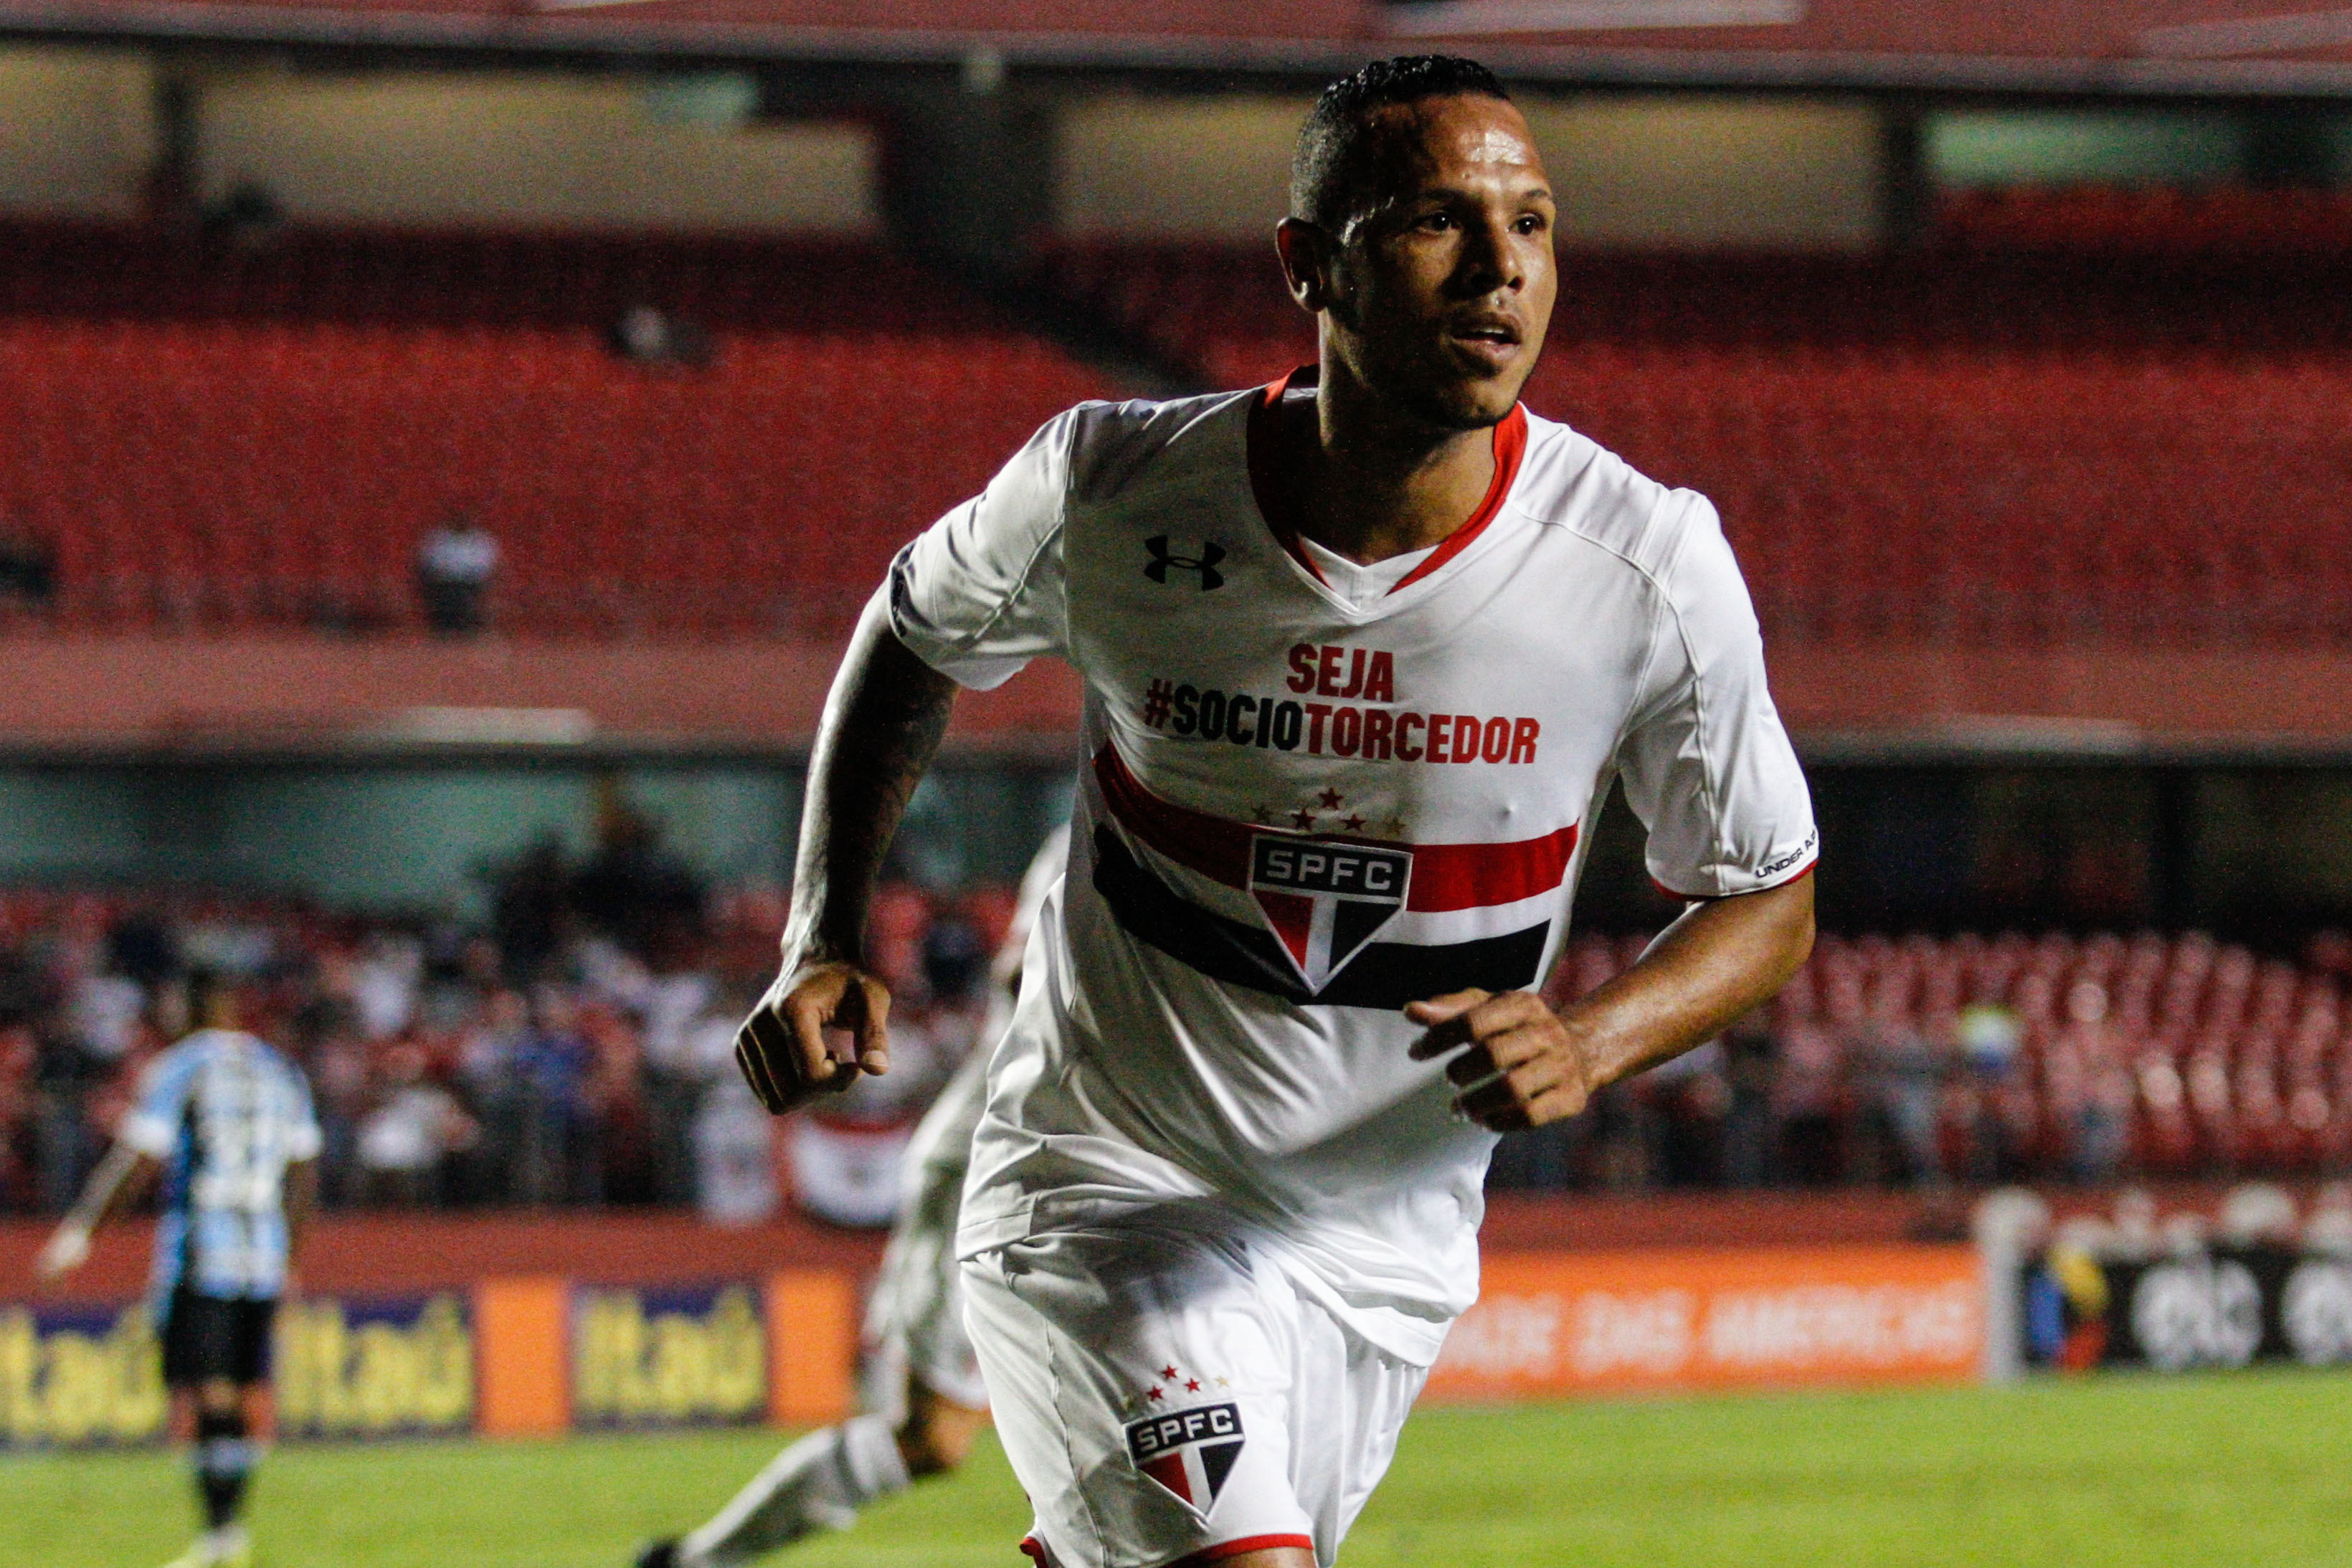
point(219, 435)
point(2007, 438)
point(2075, 418)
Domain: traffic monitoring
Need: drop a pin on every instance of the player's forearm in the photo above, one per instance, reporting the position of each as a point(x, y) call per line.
point(1721, 959)
point(120, 1177)
point(881, 726)
point(115, 1185)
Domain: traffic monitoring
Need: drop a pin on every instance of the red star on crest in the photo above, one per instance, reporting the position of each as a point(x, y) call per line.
point(1331, 798)
point(1302, 818)
point(1354, 824)
point(1152, 1394)
point(1191, 1385)
point(1168, 1373)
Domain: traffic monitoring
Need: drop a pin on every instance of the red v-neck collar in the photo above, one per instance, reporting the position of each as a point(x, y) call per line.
point(1274, 499)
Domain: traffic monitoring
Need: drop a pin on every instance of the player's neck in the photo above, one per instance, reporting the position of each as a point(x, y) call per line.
point(1373, 485)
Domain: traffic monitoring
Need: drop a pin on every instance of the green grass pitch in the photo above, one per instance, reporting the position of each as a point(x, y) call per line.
point(2251, 1471)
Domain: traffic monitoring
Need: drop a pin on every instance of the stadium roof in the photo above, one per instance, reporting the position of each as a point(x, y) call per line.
point(2250, 47)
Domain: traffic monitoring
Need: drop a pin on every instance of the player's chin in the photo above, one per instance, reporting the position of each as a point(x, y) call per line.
point(1467, 395)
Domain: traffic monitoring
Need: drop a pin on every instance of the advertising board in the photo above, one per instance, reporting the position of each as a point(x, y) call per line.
point(674, 1356)
point(396, 1367)
point(81, 1375)
point(2219, 1306)
point(1547, 1325)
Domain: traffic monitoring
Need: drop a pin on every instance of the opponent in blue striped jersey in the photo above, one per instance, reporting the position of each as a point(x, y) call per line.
point(224, 1116)
point(225, 1123)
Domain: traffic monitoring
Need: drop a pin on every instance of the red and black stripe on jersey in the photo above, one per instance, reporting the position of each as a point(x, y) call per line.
point(1269, 957)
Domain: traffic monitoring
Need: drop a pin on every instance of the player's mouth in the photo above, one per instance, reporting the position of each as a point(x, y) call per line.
point(1491, 342)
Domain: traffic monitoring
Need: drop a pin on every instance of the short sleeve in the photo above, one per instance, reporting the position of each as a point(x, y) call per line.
point(1706, 765)
point(151, 1126)
point(979, 593)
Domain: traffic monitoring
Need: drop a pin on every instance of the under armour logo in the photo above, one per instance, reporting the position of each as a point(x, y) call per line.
point(1205, 563)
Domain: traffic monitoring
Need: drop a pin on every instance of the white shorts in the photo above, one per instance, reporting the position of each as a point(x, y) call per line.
point(1171, 1397)
point(914, 1320)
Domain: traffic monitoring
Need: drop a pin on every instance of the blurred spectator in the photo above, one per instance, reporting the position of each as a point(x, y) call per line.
point(645, 335)
point(1990, 1036)
point(28, 568)
point(384, 981)
point(554, 1162)
point(645, 899)
point(531, 908)
point(2090, 1089)
point(1906, 1069)
point(455, 565)
point(1807, 1102)
point(731, 1135)
point(613, 1092)
point(1691, 1098)
point(406, 1141)
point(1750, 1126)
point(685, 1023)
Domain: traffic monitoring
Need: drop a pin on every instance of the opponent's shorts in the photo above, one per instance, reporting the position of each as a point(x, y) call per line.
point(1173, 1398)
point(213, 1339)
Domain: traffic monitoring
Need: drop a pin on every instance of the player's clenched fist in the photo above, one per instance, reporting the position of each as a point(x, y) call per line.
point(781, 1047)
point(1516, 1064)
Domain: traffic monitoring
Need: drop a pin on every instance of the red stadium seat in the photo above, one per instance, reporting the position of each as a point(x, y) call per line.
point(222, 437)
point(2007, 439)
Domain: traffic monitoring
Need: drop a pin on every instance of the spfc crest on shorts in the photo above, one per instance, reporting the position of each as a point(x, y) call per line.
point(1190, 1452)
point(1325, 901)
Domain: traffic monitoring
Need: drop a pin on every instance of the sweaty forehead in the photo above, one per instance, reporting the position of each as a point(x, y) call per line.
point(1441, 138)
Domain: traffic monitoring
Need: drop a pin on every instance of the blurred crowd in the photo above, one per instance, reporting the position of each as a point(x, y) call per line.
point(1932, 1062)
point(573, 1048)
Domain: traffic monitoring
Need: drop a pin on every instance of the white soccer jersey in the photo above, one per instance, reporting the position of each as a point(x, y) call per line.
point(1301, 812)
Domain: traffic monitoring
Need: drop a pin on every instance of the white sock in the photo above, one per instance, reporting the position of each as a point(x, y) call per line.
point(817, 1483)
point(871, 1460)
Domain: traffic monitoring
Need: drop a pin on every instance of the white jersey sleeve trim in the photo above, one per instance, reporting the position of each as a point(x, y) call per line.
point(1707, 764)
point(979, 593)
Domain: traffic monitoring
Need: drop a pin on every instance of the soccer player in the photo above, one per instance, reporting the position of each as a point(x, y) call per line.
point(227, 1123)
point(1363, 652)
point(924, 1401)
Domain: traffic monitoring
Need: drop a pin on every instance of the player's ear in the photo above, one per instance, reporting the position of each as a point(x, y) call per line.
point(1307, 254)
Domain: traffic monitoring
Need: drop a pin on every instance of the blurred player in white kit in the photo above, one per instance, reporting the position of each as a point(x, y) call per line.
point(921, 1390)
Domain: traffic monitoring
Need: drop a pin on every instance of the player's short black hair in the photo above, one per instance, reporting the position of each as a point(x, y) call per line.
point(1322, 165)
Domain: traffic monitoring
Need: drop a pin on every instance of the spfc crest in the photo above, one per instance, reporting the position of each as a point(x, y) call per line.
point(1190, 1452)
point(1325, 900)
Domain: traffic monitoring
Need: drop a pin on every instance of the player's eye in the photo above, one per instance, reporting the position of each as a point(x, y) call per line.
point(1437, 223)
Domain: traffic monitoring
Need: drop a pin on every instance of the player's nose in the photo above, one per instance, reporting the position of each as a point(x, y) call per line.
point(1489, 262)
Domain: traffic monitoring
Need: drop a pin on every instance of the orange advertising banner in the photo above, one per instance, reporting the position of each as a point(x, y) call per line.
point(1556, 1324)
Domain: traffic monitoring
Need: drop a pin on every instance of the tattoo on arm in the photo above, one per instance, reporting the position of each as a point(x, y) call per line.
point(882, 725)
